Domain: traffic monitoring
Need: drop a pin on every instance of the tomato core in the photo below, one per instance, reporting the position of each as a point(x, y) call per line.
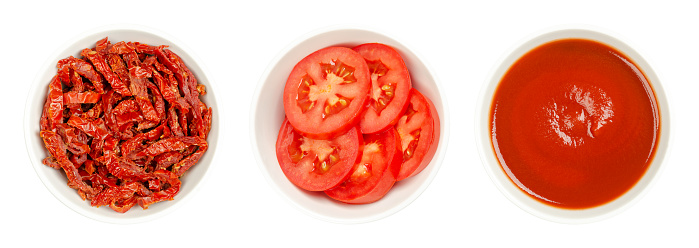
point(408, 128)
point(310, 91)
point(325, 153)
point(381, 93)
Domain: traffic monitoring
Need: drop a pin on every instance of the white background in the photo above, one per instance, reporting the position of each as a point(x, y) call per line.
point(460, 40)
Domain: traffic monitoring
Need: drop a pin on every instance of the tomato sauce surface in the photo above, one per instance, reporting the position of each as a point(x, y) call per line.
point(574, 123)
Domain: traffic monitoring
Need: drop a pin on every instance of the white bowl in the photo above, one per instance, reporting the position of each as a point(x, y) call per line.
point(55, 181)
point(523, 200)
point(267, 114)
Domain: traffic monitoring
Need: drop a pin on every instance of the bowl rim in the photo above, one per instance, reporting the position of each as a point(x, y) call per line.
point(38, 83)
point(436, 160)
point(526, 202)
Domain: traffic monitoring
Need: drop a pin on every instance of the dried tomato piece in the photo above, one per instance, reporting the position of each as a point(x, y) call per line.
point(100, 63)
point(55, 99)
point(57, 149)
point(173, 188)
point(86, 70)
point(118, 194)
point(81, 97)
point(95, 128)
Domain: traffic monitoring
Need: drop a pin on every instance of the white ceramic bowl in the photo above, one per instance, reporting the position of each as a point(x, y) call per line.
point(55, 181)
point(267, 114)
point(510, 190)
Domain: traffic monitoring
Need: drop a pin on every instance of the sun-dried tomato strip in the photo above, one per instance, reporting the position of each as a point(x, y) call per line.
point(96, 128)
point(168, 194)
point(73, 109)
point(120, 198)
point(158, 102)
point(86, 70)
point(148, 49)
point(110, 99)
point(119, 68)
point(124, 205)
point(165, 145)
point(44, 121)
point(146, 124)
point(94, 112)
point(120, 48)
point(181, 167)
point(187, 82)
point(166, 159)
point(80, 97)
point(133, 146)
point(128, 117)
point(89, 167)
point(102, 45)
point(96, 148)
point(78, 160)
point(55, 99)
point(64, 73)
point(138, 87)
point(51, 162)
point(123, 168)
point(130, 147)
point(150, 60)
point(76, 81)
point(173, 123)
point(205, 126)
point(57, 149)
point(161, 68)
point(124, 107)
point(169, 87)
point(183, 123)
point(98, 179)
point(100, 63)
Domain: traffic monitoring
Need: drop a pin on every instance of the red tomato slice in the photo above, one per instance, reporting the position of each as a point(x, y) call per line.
point(375, 174)
point(317, 165)
point(418, 129)
point(326, 92)
point(390, 87)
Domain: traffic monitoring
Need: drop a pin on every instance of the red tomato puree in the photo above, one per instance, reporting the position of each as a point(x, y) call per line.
point(574, 123)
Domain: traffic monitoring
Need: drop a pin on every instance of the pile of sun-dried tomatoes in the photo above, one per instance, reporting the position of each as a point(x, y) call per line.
point(124, 122)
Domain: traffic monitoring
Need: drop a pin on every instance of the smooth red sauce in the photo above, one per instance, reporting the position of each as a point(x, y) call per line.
point(574, 123)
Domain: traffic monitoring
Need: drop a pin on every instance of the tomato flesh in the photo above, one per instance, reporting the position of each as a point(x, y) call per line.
point(390, 87)
point(375, 174)
point(326, 92)
point(418, 129)
point(315, 164)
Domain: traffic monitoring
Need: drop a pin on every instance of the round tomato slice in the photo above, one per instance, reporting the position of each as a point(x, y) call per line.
point(390, 87)
point(317, 165)
point(326, 92)
point(418, 129)
point(375, 174)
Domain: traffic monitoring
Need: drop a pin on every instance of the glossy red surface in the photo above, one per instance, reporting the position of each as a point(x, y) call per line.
point(574, 123)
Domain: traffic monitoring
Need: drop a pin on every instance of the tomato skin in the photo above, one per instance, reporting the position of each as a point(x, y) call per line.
point(384, 166)
point(428, 139)
point(314, 122)
point(304, 173)
point(395, 76)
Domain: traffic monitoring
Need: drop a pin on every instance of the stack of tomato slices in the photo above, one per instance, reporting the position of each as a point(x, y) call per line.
point(354, 125)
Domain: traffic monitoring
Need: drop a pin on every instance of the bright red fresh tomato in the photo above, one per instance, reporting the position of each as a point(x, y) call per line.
point(326, 92)
point(375, 174)
point(418, 129)
point(317, 165)
point(390, 87)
